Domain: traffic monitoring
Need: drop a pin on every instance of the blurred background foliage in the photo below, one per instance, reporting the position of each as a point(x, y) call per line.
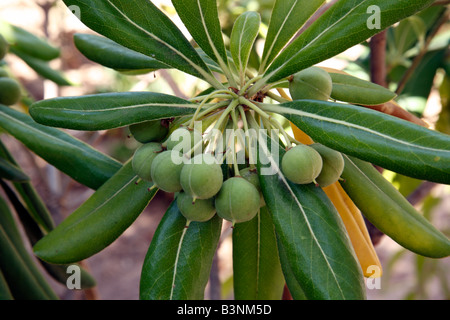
point(417, 67)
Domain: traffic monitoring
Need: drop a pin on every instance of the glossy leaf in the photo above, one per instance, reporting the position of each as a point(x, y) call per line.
point(243, 35)
point(387, 141)
point(68, 154)
point(29, 196)
point(20, 260)
point(288, 16)
point(292, 283)
point(5, 292)
point(34, 233)
point(386, 208)
point(201, 18)
point(21, 281)
point(345, 24)
point(97, 222)
point(257, 271)
point(27, 42)
point(115, 56)
point(357, 91)
point(179, 259)
point(140, 26)
point(108, 110)
point(42, 68)
point(11, 172)
point(312, 235)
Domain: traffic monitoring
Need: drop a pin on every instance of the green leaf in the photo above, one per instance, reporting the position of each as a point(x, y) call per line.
point(42, 68)
point(179, 259)
point(108, 110)
point(381, 139)
point(11, 172)
point(387, 209)
point(345, 24)
point(34, 233)
point(312, 235)
point(243, 35)
point(292, 283)
point(257, 271)
point(112, 55)
point(288, 16)
point(68, 154)
point(20, 279)
point(140, 26)
point(201, 18)
point(5, 292)
point(20, 266)
point(27, 42)
point(99, 221)
point(357, 91)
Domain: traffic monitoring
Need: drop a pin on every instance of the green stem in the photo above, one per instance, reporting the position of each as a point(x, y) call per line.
point(233, 148)
point(276, 97)
point(212, 95)
point(283, 132)
point(248, 84)
point(253, 106)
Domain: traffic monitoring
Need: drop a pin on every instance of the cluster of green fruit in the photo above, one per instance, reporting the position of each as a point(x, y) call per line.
point(10, 91)
point(199, 183)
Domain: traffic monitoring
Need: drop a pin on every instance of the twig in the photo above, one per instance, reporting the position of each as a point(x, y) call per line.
point(378, 58)
point(443, 19)
point(421, 192)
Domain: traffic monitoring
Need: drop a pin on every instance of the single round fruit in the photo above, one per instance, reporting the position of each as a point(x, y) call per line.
point(183, 139)
point(238, 200)
point(202, 177)
point(149, 131)
point(311, 83)
point(143, 159)
point(9, 91)
point(166, 169)
point(333, 165)
point(4, 47)
point(201, 210)
point(251, 176)
point(301, 164)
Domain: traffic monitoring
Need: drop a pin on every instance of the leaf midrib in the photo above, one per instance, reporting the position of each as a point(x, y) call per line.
point(348, 124)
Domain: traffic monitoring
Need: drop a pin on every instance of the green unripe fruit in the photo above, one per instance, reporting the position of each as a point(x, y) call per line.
point(238, 200)
point(143, 159)
point(3, 73)
point(9, 91)
point(166, 169)
point(202, 177)
point(183, 139)
point(301, 164)
point(201, 210)
point(311, 83)
point(4, 47)
point(149, 131)
point(333, 165)
point(251, 176)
